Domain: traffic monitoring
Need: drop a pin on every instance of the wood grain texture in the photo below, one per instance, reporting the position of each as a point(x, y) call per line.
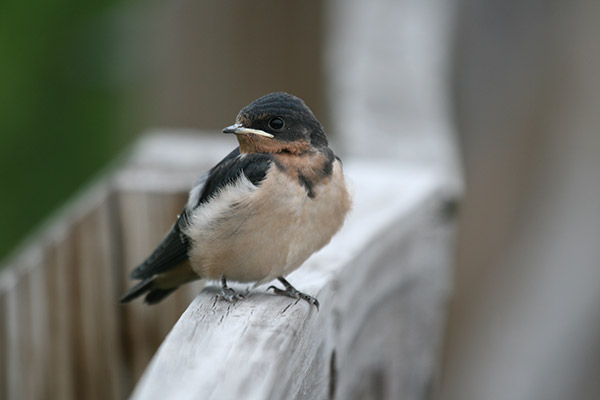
point(98, 313)
point(144, 219)
point(14, 362)
point(59, 260)
point(40, 312)
point(382, 283)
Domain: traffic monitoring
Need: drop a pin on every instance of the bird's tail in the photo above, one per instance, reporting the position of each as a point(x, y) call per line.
point(157, 287)
point(153, 296)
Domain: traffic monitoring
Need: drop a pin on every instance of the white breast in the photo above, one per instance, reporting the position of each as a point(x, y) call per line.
point(251, 234)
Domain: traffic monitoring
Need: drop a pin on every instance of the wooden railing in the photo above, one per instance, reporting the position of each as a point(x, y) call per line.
point(382, 282)
point(62, 333)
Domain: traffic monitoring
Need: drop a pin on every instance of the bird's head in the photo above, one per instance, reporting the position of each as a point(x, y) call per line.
point(277, 122)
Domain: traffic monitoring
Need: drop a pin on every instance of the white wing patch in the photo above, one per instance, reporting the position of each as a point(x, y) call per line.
point(194, 196)
point(206, 216)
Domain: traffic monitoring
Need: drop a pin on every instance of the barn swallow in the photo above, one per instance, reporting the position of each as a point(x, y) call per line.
point(260, 212)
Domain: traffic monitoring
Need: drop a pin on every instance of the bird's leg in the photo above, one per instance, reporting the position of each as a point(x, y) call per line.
point(292, 292)
point(227, 293)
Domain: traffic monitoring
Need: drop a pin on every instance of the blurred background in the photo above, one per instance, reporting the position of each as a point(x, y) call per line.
point(508, 91)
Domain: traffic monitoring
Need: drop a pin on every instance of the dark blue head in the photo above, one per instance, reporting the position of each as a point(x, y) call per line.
point(281, 117)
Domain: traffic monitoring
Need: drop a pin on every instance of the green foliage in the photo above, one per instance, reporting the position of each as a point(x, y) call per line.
point(61, 106)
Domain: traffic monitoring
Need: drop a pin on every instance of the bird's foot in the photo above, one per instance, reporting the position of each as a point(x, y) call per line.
point(227, 293)
point(294, 293)
point(230, 295)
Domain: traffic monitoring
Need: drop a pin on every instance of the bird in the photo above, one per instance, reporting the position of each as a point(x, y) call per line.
point(259, 213)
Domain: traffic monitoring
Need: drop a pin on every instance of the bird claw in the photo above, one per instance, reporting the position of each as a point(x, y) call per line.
point(230, 295)
point(227, 293)
point(294, 293)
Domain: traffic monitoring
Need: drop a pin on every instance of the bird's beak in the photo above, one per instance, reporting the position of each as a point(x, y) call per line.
point(240, 129)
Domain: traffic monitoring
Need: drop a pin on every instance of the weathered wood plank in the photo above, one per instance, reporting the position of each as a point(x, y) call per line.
point(382, 277)
point(64, 304)
point(44, 310)
point(13, 387)
point(24, 355)
point(99, 310)
point(24, 352)
point(144, 219)
point(62, 300)
point(13, 356)
point(37, 378)
point(3, 341)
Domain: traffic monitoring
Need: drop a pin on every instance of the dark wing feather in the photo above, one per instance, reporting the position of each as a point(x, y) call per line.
point(170, 252)
point(253, 165)
point(173, 249)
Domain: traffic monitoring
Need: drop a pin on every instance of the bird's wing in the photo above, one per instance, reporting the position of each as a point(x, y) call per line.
point(254, 166)
point(170, 252)
point(173, 249)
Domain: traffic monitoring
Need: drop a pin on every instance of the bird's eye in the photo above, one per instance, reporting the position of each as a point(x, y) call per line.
point(276, 123)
